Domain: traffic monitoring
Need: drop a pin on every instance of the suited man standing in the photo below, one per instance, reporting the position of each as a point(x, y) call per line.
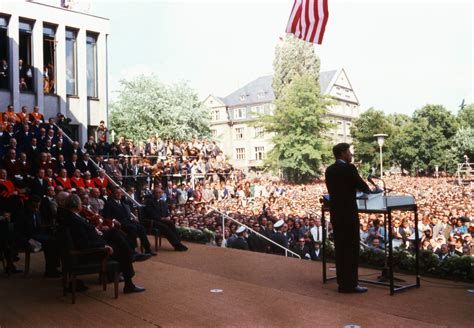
point(342, 182)
point(116, 208)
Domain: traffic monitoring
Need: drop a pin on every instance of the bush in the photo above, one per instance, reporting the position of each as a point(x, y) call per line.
point(195, 235)
point(457, 268)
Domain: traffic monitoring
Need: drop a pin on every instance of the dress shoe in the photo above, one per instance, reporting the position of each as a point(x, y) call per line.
point(139, 257)
point(150, 252)
point(180, 248)
point(133, 289)
point(355, 290)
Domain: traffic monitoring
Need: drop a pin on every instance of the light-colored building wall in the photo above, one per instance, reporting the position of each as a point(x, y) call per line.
point(83, 110)
point(232, 116)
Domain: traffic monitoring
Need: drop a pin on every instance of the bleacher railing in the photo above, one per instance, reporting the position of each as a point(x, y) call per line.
point(136, 203)
point(225, 216)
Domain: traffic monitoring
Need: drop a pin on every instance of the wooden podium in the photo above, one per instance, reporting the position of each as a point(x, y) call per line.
point(380, 204)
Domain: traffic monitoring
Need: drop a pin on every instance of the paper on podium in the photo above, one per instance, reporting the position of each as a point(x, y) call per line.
point(371, 202)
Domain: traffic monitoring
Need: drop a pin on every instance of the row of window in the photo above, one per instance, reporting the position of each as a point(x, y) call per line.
point(259, 153)
point(259, 132)
point(260, 95)
point(239, 113)
point(27, 68)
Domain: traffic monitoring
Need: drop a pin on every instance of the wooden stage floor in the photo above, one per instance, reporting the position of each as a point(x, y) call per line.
point(259, 290)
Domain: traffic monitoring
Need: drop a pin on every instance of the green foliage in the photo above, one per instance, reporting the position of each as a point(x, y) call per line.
point(363, 129)
point(147, 107)
point(431, 137)
point(466, 116)
point(299, 145)
point(195, 235)
point(293, 57)
point(458, 268)
point(463, 142)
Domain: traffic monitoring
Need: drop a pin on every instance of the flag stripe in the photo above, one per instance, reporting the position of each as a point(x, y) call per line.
point(325, 21)
point(308, 19)
point(291, 27)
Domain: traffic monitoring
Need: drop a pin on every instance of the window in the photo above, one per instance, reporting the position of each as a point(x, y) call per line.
point(261, 94)
point(239, 112)
point(49, 59)
point(259, 132)
point(242, 97)
point(240, 153)
point(259, 153)
point(71, 63)
point(340, 128)
point(239, 133)
point(259, 109)
point(25, 53)
point(91, 50)
point(214, 133)
point(4, 64)
point(215, 115)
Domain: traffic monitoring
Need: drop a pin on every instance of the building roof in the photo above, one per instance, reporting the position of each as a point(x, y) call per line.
point(261, 86)
point(260, 90)
point(325, 79)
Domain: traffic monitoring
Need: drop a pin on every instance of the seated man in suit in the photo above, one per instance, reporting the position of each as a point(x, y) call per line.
point(35, 229)
point(116, 208)
point(85, 235)
point(156, 210)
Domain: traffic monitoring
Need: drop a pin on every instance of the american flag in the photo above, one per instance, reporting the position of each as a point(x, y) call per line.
point(308, 20)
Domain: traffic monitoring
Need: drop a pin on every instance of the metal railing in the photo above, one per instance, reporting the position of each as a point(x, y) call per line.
point(108, 176)
point(225, 216)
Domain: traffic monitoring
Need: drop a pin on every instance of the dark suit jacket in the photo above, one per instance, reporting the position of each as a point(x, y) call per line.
point(37, 188)
point(155, 210)
point(83, 233)
point(87, 167)
point(71, 168)
point(121, 213)
point(342, 182)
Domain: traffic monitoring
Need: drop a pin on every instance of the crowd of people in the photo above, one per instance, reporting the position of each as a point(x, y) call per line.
point(48, 183)
point(26, 76)
point(48, 180)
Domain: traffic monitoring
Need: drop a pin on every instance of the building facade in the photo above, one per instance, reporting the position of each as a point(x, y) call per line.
point(54, 58)
point(245, 144)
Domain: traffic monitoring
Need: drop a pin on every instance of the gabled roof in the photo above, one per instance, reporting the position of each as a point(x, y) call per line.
point(326, 79)
point(251, 91)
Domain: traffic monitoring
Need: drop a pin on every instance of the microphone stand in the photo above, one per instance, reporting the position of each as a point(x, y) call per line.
point(384, 276)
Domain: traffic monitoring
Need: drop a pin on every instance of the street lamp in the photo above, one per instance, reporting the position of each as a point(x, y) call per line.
point(380, 140)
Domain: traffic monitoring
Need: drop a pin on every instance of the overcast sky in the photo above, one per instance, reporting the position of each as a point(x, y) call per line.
point(399, 55)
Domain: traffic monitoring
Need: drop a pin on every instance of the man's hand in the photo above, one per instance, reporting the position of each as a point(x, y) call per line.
point(115, 223)
point(109, 250)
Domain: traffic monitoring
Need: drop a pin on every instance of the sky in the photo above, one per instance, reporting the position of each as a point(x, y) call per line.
point(399, 55)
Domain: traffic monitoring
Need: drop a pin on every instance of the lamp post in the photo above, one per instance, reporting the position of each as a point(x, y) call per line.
point(380, 140)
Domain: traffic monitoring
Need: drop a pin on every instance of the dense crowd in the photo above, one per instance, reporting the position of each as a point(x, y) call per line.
point(49, 184)
point(445, 213)
point(187, 184)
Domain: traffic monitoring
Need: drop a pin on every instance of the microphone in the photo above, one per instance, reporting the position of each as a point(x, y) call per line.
point(369, 178)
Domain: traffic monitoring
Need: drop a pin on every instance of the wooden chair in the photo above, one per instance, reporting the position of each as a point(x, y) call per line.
point(83, 262)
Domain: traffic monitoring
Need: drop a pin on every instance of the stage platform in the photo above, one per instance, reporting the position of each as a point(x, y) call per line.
point(258, 290)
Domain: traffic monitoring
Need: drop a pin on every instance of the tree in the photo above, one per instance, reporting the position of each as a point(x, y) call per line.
point(463, 143)
point(427, 140)
point(299, 144)
point(363, 129)
point(466, 116)
point(147, 107)
point(294, 57)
